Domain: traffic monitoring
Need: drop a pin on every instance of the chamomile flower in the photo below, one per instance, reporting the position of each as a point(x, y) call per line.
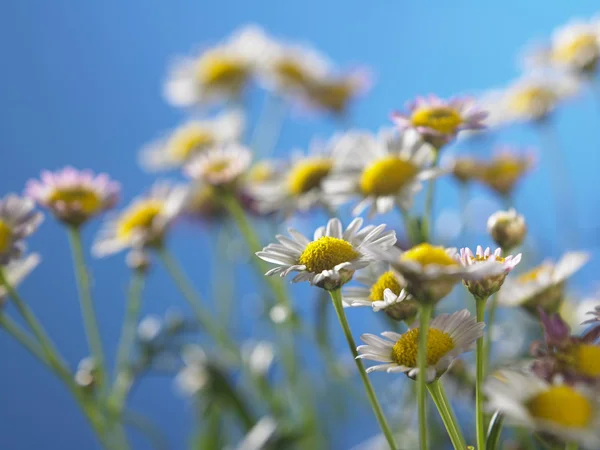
point(332, 257)
point(448, 337)
point(574, 47)
point(431, 272)
point(382, 290)
point(465, 169)
point(180, 145)
point(216, 74)
point(530, 98)
point(438, 120)
point(16, 271)
point(220, 166)
point(382, 171)
point(484, 287)
point(568, 412)
point(542, 286)
point(505, 170)
point(298, 187)
point(74, 196)
point(18, 219)
point(335, 92)
point(144, 223)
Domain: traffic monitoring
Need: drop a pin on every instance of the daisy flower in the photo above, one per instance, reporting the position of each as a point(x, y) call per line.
point(574, 47)
point(505, 170)
point(484, 287)
point(382, 289)
point(570, 413)
point(438, 120)
point(143, 223)
point(542, 286)
point(181, 144)
point(17, 221)
point(298, 187)
point(507, 228)
point(74, 196)
point(216, 74)
point(530, 98)
point(332, 257)
point(383, 171)
point(220, 166)
point(16, 271)
point(448, 337)
point(431, 272)
point(465, 169)
point(203, 203)
point(335, 92)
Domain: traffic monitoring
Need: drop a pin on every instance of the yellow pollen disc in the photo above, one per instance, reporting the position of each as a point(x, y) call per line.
point(217, 166)
point(260, 172)
point(5, 236)
point(563, 406)
point(442, 119)
point(139, 216)
point(439, 343)
point(333, 95)
point(588, 359)
point(426, 254)
point(293, 73)
point(584, 44)
point(533, 100)
point(387, 176)
point(325, 253)
point(222, 71)
point(307, 175)
point(386, 281)
point(89, 201)
point(532, 274)
point(188, 140)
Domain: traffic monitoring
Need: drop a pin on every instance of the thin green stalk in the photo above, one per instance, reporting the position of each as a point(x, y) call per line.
point(452, 428)
point(12, 328)
point(479, 374)
point(571, 446)
point(336, 297)
point(428, 211)
point(146, 427)
point(487, 346)
point(494, 431)
point(425, 317)
point(87, 305)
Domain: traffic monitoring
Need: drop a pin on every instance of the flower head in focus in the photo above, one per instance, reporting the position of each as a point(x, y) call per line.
point(449, 336)
point(438, 120)
point(542, 286)
point(144, 223)
point(220, 166)
point(74, 196)
point(332, 257)
point(484, 287)
point(507, 228)
point(18, 219)
point(383, 290)
point(382, 171)
point(16, 271)
point(180, 145)
point(568, 412)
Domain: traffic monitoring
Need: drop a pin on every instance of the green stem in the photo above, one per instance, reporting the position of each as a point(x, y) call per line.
point(571, 446)
point(479, 361)
point(487, 346)
point(12, 328)
point(425, 317)
point(87, 304)
point(435, 389)
point(494, 431)
point(428, 211)
point(149, 429)
point(336, 297)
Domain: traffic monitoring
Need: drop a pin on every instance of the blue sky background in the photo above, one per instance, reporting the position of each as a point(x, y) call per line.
point(81, 85)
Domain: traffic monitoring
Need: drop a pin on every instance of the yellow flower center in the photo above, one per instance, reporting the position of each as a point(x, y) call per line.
point(325, 253)
point(533, 100)
point(427, 254)
point(217, 166)
point(439, 343)
point(222, 71)
point(88, 200)
point(307, 175)
point(588, 359)
point(292, 72)
point(532, 275)
point(5, 236)
point(387, 176)
point(584, 44)
point(442, 119)
point(563, 406)
point(260, 172)
point(333, 95)
point(386, 281)
point(189, 140)
point(139, 216)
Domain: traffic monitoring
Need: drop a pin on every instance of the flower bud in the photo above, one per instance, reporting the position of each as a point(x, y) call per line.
point(507, 228)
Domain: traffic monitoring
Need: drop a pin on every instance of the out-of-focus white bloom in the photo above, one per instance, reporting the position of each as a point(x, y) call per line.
point(18, 219)
point(149, 328)
point(279, 314)
point(16, 271)
point(259, 435)
point(259, 356)
point(180, 145)
point(220, 165)
point(194, 376)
